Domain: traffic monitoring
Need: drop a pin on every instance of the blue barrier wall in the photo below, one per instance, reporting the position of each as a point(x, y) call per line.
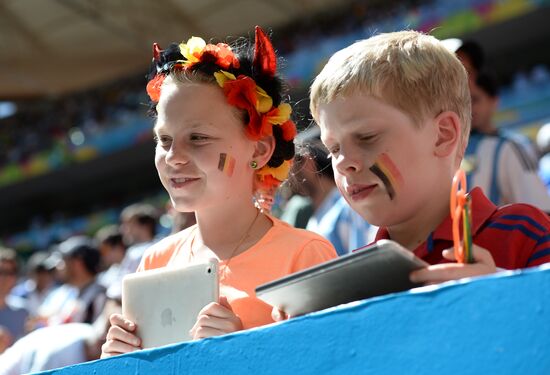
point(494, 325)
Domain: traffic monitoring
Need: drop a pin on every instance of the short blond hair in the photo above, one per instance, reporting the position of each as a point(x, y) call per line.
point(412, 71)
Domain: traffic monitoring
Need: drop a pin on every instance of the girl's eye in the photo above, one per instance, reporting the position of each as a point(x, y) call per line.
point(162, 140)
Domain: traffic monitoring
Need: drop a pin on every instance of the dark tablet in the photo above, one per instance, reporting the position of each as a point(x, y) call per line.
point(381, 268)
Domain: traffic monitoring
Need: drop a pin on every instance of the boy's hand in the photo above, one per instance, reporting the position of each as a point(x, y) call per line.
point(279, 315)
point(483, 265)
point(216, 319)
point(120, 337)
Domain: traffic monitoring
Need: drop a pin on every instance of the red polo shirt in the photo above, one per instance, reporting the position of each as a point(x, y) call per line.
point(517, 235)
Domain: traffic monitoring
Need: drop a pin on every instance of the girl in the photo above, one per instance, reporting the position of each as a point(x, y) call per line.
point(223, 137)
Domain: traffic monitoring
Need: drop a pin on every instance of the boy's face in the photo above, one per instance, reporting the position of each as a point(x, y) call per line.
point(383, 164)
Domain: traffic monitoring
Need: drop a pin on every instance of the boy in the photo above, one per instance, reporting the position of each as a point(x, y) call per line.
point(394, 112)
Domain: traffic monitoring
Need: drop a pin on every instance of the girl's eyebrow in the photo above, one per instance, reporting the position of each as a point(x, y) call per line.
point(193, 126)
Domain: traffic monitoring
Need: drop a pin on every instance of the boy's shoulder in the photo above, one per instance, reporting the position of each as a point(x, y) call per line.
point(516, 234)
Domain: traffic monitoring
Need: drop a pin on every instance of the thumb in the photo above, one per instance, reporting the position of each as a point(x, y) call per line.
point(225, 303)
point(449, 254)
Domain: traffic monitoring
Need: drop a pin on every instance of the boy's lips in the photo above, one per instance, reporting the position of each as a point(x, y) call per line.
point(358, 192)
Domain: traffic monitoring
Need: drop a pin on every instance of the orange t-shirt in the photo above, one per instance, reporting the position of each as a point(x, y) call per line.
point(281, 251)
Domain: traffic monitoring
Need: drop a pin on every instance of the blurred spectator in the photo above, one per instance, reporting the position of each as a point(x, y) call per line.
point(471, 56)
point(81, 298)
point(318, 205)
point(112, 249)
point(13, 313)
point(58, 346)
point(138, 226)
point(495, 162)
point(40, 282)
point(543, 144)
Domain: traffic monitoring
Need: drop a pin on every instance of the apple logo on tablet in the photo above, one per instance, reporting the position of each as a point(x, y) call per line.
point(166, 318)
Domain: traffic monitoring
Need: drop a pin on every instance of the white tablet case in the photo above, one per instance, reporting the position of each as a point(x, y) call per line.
point(164, 303)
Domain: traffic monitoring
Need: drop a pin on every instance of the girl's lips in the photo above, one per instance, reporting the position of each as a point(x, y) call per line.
point(359, 192)
point(181, 182)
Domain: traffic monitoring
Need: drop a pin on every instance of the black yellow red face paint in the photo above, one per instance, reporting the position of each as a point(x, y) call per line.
point(226, 164)
point(386, 170)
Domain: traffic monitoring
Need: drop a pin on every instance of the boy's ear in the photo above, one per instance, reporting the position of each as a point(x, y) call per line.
point(263, 150)
point(448, 133)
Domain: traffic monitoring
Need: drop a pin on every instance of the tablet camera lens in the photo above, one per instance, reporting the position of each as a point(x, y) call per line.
point(209, 270)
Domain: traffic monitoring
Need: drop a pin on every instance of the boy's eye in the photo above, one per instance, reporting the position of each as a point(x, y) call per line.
point(368, 138)
point(333, 151)
point(198, 137)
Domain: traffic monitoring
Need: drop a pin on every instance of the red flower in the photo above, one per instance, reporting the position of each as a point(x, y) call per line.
point(241, 93)
point(153, 87)
point(220, 54)
point(289, 130)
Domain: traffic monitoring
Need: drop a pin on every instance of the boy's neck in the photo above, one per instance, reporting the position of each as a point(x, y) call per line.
point(412, 233)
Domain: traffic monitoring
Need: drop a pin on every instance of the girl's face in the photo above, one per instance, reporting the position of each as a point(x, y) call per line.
point(202, 154)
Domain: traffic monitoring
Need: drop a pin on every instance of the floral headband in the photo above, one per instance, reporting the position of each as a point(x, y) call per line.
point(241, 92)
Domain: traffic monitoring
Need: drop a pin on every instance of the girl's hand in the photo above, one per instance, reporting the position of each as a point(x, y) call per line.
point(216, 319)
point(483, 265)
point(120, 337)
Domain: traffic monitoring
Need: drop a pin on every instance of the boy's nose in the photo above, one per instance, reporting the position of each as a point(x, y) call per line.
point(347, 163)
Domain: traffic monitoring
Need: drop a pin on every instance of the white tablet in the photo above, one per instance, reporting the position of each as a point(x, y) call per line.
point(381, 268)
point(164, 303)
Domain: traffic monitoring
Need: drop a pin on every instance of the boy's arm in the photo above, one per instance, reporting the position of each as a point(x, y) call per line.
point(484, 264)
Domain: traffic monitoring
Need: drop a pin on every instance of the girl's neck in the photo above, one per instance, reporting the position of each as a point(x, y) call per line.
point(230, 232)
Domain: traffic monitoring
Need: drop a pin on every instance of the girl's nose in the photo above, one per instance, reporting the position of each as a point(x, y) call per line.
point(177, 155)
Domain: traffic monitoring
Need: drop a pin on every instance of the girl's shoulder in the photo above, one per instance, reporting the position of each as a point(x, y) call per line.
point(159, 254)
point(283, 232)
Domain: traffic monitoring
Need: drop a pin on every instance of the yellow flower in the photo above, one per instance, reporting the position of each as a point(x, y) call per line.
point(192, 50)
point(222, 76)
point(264, 101)
point(283, 114)
point(280, 173)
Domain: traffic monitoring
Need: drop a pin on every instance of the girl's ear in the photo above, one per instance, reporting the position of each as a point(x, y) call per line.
point(263, 150)
point(448, 134)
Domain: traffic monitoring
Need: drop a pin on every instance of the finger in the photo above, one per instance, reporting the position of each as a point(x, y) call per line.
point(217, 310)
point(117, 333)
point(204, 332)
point(119, 320)
point(450, 271)
point(482, 255)
point(223, 324)
point(225, 303)
point(449, 254)
point(112, 347)
point(278, 315)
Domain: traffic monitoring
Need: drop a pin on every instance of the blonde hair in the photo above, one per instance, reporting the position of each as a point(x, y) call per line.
point(412, 71)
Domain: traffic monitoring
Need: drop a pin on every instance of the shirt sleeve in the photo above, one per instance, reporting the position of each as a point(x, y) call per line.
point(312, 253)
point(520, 184)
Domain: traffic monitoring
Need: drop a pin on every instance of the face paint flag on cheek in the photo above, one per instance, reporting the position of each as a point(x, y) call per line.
point(226, 164)
point(387, 172)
